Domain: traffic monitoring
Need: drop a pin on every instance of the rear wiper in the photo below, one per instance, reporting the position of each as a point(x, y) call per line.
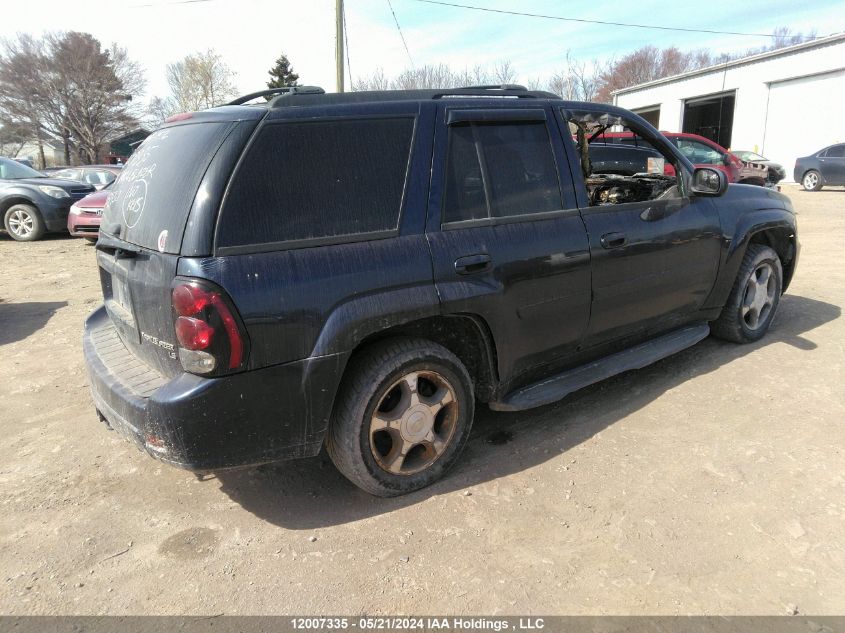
point(116, 246)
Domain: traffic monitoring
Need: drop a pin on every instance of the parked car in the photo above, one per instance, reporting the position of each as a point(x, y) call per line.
point(825, 167)
point(97, 175)
point(622, 159)
point(702, 152)
point(24, 161)
point(32, 204)
point(85, 216)
point(776, 170)
point(357, 270)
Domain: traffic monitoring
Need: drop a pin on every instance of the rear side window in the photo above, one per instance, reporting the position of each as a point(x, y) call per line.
point(317, 180)
point(500, 170)
point(837, 151)
point(153, 196)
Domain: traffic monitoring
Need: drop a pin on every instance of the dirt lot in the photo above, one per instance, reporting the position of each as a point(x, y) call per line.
point(712, 482)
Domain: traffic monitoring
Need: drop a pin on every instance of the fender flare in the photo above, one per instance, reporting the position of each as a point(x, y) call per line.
point(747, 226)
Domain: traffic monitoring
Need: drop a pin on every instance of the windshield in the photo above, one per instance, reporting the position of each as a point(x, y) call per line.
point(13, 170)
point(750, 156)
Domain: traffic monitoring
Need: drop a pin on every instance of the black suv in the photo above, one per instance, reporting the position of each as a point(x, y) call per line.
point(31, 204)
point(357, 270)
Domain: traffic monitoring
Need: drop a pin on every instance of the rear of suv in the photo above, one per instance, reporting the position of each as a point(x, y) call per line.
point(357, 270)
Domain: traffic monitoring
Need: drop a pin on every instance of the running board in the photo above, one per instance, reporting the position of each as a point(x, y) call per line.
point(554, 388)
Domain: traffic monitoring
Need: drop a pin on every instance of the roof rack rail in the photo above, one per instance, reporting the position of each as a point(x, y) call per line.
point(510, 87)
point(280, 92)
point(316, 96)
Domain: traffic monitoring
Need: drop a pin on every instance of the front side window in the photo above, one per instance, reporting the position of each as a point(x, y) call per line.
point(699, 153)
point(630, 169)
point(317, 180)
point(499, 170)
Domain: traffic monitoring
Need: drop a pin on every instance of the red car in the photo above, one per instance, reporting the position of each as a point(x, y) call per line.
point(702, 152)
point(85, 215)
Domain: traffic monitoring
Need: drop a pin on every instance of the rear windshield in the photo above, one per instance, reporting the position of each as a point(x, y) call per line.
point(153, 196)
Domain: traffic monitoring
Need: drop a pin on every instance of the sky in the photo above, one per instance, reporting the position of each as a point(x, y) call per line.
point(251, 34)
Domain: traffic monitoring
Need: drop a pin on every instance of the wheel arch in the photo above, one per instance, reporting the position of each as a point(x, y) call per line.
point(467, 336)
point(784, 242)
point(12, 200)
point(771, 227)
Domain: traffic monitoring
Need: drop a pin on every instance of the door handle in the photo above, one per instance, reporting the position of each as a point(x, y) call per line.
point(472, 264)
point(613, 240)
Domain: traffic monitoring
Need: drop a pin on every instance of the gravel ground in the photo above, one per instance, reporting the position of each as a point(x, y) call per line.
point(712, 482)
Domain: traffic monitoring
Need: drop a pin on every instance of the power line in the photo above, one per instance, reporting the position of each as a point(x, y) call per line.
point(346, 42)
point(399, 28)
point(604, 22)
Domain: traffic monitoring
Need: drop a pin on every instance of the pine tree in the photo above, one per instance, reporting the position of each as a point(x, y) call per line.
point(282, 75)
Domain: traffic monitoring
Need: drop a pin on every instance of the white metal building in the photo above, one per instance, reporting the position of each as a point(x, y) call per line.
point(782, 104)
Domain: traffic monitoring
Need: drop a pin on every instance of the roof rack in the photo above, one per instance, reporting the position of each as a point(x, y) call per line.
point(316, 96)
point(280, 92)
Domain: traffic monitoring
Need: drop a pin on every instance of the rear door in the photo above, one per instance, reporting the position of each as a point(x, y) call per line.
point(147, 211)
point(507, 241)
point(832, 165)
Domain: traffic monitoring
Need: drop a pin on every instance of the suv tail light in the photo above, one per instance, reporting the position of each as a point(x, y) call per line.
point(210, 335)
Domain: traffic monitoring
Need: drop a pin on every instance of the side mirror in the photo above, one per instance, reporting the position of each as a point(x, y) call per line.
point(726, 159)
point(709, 182)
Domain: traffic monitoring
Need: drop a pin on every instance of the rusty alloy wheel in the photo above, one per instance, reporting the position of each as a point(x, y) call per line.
point(414, 422)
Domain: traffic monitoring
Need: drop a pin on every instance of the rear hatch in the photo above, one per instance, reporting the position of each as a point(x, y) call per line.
point(144, 222)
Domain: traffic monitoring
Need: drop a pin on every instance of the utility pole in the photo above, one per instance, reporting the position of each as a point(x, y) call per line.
point(338, 49)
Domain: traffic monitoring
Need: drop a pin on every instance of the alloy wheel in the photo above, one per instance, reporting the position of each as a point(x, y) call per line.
point(759, 296)
point(414, 422)
point(21, 223)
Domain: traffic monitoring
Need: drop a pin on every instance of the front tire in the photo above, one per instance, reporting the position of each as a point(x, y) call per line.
point(402, 416)
point(754, 299)
point(24, 223)
point(812, 181)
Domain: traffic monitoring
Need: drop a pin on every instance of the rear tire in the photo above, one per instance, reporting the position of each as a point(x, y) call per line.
point(402, 416)
point(754, 298)
point(24, 223)
point(812, 181)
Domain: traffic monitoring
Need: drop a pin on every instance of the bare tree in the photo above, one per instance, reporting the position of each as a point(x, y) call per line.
point(438, 76)
point(647, 64)
point(67, 86)
point(159, 109)
point(98, 86)
point(577, 80)
point(202, 80)
point(376, 81)
point(21, 67)
point(503, 72)
point(13, 136)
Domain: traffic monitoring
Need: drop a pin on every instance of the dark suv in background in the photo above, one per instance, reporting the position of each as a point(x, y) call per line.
point(358, 270)
point(32, 204)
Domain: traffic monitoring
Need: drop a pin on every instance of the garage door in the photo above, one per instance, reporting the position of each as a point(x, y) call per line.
point(803, 116)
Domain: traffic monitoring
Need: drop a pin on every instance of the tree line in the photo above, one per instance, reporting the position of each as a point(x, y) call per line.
point(68, 86)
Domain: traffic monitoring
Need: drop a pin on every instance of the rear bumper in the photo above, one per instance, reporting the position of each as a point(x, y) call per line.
point(204, 424)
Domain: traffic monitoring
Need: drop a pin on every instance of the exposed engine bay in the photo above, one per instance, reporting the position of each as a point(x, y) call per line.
point(605, 189)
point(613, 189)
